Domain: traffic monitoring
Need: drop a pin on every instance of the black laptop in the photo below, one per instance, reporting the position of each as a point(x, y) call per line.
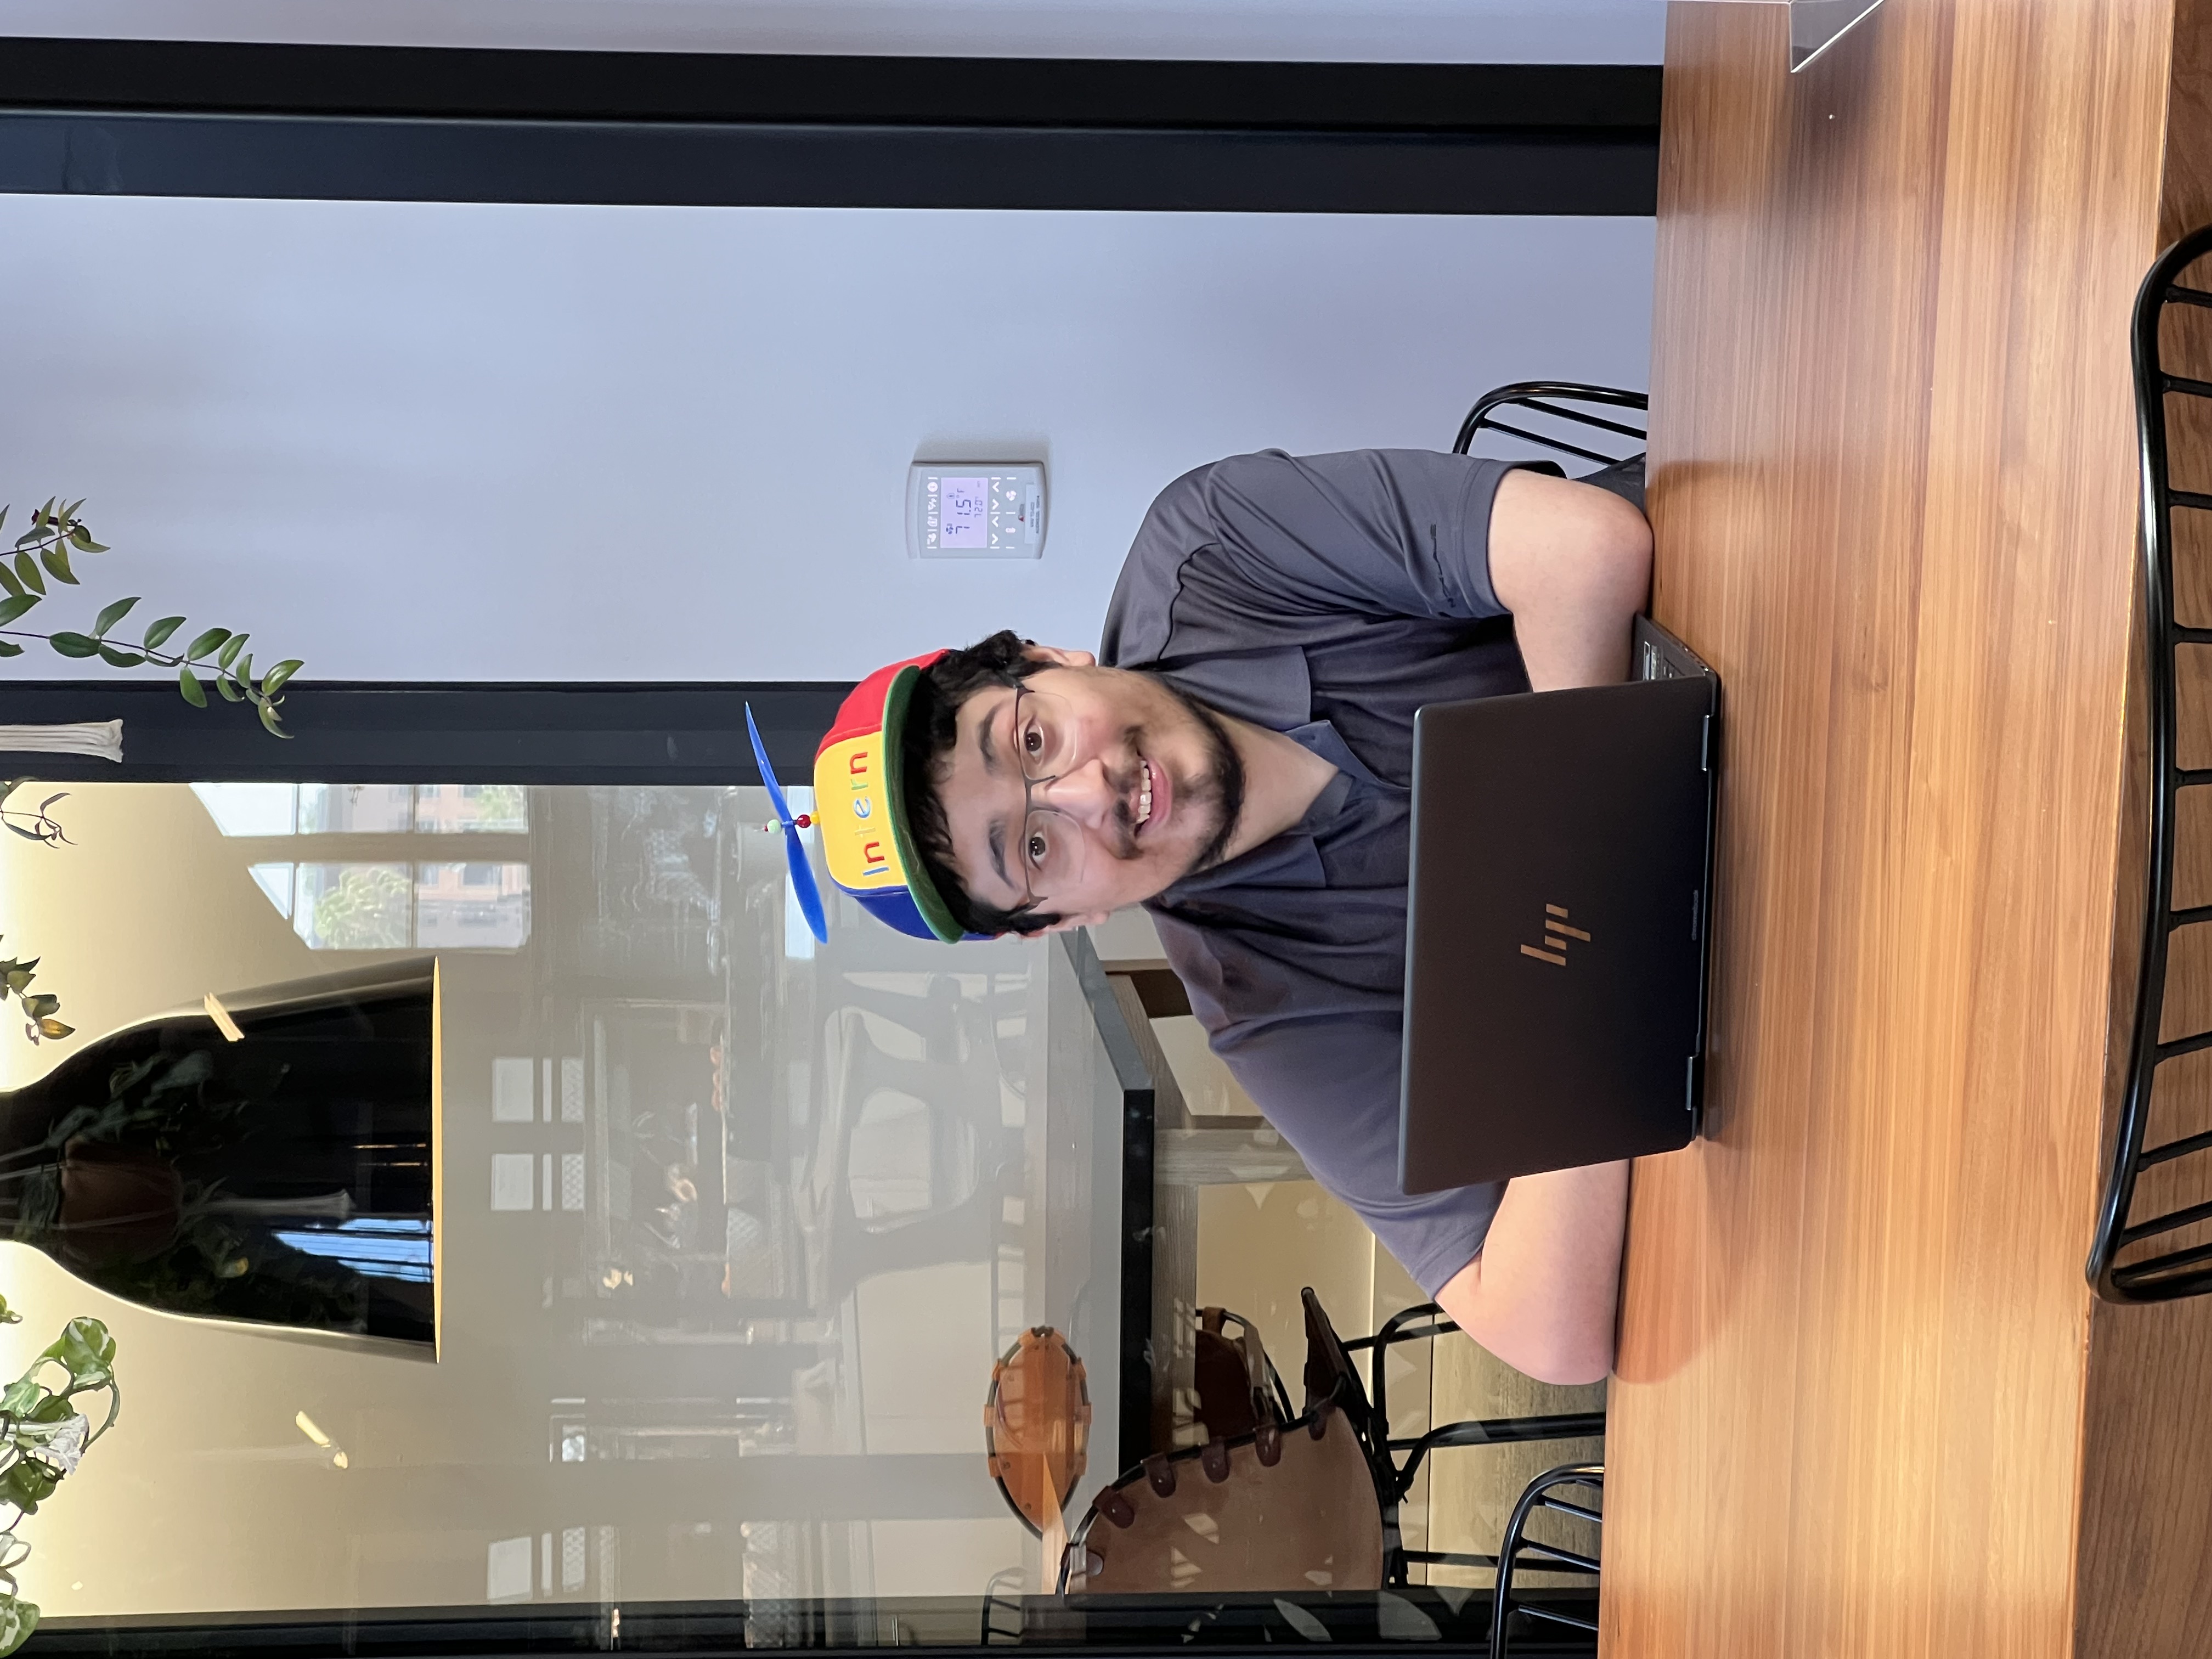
point(1558, 925)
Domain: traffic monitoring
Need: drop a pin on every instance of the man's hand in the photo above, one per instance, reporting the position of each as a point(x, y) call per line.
point(1572, 562)
point(1542, 1294)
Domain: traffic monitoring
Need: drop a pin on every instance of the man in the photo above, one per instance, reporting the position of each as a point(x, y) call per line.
point(1237, 759)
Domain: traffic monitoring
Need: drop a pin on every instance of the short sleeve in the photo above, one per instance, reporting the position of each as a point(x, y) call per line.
point(1329, 1086)
point(1274, 538)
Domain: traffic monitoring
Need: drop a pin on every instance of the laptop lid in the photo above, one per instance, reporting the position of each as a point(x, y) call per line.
point(1557, 924)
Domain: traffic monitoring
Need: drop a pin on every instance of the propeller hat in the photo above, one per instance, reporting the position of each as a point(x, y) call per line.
point(860, 807)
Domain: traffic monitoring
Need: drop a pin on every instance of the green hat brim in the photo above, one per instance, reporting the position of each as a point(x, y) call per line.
point(928, 899)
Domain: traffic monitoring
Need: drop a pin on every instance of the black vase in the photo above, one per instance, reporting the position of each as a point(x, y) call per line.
point(266, 1160)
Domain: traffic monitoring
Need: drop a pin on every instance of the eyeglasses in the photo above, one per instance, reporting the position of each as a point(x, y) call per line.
point(1050, 852)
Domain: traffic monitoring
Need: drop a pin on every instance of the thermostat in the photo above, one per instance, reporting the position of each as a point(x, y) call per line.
point(975, 509)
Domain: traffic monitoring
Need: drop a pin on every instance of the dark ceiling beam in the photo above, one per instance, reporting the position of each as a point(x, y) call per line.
point(233, 78)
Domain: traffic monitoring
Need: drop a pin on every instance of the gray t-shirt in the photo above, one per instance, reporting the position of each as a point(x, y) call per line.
point(1327, 597)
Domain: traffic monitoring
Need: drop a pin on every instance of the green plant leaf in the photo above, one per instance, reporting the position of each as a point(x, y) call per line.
point(115, 658)
point(56, 560)
point(229, 654)
point(18, 1619)
point(27, 571)
point(228, 687)
point(189, 683)
point(28, 835)
point(72, 644)
point(81, 538)
point(273, 721)
point(42, 1003)
point(19, 1397)
point(27, 1485)
point(246, 678)
point(162, 630)
point(8, 1314)
point(9, 585)
point(113, 615)
point(54, 1028)
point(206, 642)
point(20, 975)
point(10, 649)
point(273, 681)
point(87, 1349)
point(11, 609)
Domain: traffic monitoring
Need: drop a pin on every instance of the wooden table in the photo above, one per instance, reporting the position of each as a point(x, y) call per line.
point(1867, 1404)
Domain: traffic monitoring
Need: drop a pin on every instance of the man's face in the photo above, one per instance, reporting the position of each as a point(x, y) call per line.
point(1139, 795)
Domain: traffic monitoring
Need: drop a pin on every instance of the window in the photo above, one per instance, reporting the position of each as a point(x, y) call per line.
point(366, 809)
point(386, 901)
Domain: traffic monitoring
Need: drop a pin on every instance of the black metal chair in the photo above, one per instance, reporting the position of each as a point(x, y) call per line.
point(1555, 400)
point(1394, 1464)
point(1517, 1549)
point(2163, 1275)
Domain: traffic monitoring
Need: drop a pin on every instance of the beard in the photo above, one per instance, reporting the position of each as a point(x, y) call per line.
point(1224, 782)
point(1218, 787)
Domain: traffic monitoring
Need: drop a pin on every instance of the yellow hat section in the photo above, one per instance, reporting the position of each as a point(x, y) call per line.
point(853, 815)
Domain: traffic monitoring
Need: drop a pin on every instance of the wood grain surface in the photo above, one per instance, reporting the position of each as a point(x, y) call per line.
point(1859, 1408)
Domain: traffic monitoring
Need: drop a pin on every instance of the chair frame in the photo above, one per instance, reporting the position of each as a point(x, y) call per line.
point(1514, 1547)
point(2172, 1274)
point(1541, 397)
point(1277, 1392)
point(1367, 1415)
point(1393, 1479)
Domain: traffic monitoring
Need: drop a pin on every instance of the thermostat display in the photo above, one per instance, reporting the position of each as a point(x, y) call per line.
point(974, 510)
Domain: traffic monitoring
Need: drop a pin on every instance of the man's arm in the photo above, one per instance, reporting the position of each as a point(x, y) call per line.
point(1572, 562)
point(1542, 1294)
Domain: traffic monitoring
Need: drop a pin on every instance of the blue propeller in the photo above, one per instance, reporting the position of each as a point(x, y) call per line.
point(802, 868)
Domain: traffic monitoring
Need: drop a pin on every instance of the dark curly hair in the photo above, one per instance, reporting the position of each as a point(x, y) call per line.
point(932, 728)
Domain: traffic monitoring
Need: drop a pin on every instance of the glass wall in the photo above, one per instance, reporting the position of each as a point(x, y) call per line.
point(732, 1227)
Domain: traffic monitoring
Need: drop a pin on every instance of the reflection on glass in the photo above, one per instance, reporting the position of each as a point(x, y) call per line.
point(471, 906)
point(359, 809)
point(352, 907)
point(471, 808)
point(381, 907)
point(250, 808)
point(366, 809)
point(281, 1174)
point(763, 1218)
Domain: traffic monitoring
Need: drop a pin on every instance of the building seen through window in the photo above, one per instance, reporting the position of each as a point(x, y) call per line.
point(385, 904)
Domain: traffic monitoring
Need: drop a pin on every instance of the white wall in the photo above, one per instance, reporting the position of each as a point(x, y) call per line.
point(410, 440)
point(1401, 31)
